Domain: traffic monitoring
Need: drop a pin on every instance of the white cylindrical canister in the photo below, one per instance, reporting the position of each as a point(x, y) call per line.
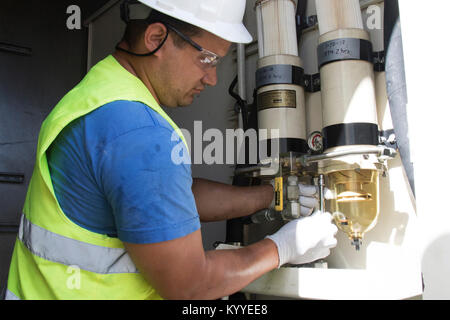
point(281, 102)
point(349, 108)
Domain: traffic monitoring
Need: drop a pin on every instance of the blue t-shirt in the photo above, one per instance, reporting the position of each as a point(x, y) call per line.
point(113, 174)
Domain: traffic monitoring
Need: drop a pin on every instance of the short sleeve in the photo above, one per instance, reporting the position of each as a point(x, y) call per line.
point(149, 193)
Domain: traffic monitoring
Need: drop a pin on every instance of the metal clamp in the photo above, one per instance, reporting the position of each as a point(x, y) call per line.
point(388, 138)
point(312, 82)
point(279, 74)
point(379, 151)
point(379, 61)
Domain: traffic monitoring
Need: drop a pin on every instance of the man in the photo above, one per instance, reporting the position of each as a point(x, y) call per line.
point(108, 214)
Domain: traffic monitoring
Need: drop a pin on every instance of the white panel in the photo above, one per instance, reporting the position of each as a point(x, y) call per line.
point(338, 284)
point(427, 70)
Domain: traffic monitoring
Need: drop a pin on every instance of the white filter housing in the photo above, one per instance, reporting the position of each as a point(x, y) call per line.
point(290, 118)
point(348, 87)
point(338, 14)
point(276, 27)
point(281, 97)
point(349, 110)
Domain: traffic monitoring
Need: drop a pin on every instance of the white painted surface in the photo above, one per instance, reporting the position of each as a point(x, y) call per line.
point(427, 69)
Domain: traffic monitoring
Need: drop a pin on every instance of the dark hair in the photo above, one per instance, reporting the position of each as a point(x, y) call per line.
point(136, 28)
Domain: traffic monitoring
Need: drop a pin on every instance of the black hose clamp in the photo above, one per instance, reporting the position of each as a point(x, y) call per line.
point(279, 74)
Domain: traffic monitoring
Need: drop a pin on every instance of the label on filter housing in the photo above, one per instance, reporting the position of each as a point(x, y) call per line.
point(344, 49)
point(277, 99)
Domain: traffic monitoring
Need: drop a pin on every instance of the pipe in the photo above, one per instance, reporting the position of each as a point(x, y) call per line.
point(241, 78)
point(300, 16)
point(321, 193)
point(396, 84)
point(338, 14)
point(259, 25)
point(243, 170)
point(379, 151)
point(235, 227)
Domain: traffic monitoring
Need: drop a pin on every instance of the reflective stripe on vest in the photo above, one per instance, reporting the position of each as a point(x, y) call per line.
point(56, 248)
point(11, 296)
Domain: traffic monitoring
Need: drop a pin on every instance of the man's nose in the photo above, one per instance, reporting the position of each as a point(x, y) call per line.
point(210, 77)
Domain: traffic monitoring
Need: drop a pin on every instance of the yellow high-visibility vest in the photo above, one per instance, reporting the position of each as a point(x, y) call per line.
point(53, 257)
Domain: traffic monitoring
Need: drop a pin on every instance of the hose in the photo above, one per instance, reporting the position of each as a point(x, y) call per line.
point(396, 84)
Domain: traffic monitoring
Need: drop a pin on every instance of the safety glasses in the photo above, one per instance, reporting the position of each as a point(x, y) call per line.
point(207, 58)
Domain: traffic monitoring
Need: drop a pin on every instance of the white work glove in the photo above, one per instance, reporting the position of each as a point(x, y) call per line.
point(309, 198)
point(306, 239)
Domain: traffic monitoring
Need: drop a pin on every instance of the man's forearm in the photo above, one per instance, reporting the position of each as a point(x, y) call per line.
point(183, 270)
point(217, 201)
point(228, 271)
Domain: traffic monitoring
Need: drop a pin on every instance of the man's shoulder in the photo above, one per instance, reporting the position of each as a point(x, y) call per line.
point(120, 117)
point(129, 114)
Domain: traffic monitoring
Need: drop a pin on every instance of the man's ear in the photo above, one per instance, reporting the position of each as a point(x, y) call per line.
point(154, 35)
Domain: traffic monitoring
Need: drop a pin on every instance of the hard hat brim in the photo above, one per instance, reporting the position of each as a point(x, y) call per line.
point(236, 33)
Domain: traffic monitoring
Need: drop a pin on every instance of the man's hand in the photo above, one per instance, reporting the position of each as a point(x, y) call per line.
point(306, 239)
point(309, 198)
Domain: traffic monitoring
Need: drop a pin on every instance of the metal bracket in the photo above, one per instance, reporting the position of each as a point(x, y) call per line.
point(312, 82)
point(379, 61)
point(379, 151)
point(388, 139)
point(306, 23)
point(311, 21)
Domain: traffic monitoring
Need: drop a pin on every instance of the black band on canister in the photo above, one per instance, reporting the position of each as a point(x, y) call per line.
point(344, 49)
point(279, 74)
point(346, 134)
point(285, 145)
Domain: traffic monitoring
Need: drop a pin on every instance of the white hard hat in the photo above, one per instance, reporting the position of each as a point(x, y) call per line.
point(220, 17)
